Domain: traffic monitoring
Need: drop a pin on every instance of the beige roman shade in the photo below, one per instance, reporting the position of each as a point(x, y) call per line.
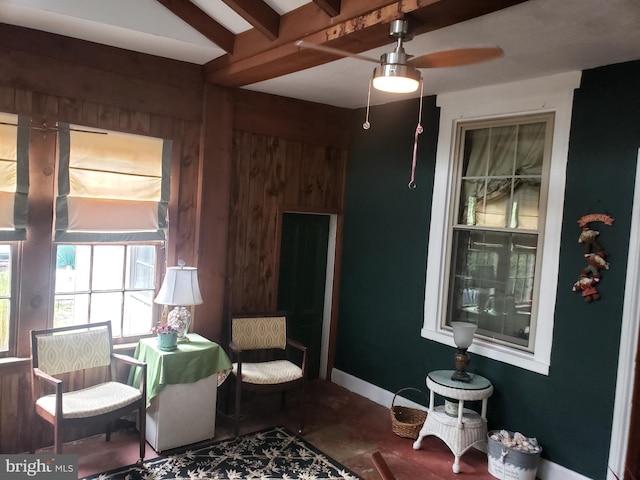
point(14, 176)
point(111, 186)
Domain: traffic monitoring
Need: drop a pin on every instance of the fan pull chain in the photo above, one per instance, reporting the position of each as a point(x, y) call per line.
point(366, 125)
point(419, 130)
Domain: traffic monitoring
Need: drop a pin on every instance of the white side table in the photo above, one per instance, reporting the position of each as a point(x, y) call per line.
point(468, 428)
point(181, 390)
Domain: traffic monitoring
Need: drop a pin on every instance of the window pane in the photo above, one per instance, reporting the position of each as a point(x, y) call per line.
point(5, 271)
point(73, 268)
point(501, 176)
point(5, 296)
point(138, 312)
point(70, 310)
point(108, 267)
point(492, 283)
point(5, 306)
point(141, 261)
point(107, 307)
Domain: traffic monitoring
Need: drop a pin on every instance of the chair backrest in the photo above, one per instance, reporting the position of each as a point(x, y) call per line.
point(67, 349)
point(259, 332)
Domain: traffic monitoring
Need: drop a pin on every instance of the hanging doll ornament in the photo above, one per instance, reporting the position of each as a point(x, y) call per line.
point(586, 284)
point(594, 254)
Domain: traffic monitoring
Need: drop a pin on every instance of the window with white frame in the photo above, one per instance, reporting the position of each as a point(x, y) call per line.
point(496, 217)
point(495, 227)
point(111, 213)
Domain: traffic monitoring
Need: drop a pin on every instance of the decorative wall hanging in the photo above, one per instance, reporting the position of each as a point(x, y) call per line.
point(594, 254)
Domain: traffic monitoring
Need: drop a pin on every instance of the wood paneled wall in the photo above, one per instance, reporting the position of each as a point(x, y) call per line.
point(240, 159)
point(46, 110)
point(17, 421)
point(52, 78)
point(272, 175)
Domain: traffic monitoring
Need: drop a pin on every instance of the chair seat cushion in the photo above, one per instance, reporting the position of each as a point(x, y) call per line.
point(96, 400)
point(268, 373)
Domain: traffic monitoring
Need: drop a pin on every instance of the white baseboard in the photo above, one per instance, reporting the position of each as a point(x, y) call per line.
point(546, 470)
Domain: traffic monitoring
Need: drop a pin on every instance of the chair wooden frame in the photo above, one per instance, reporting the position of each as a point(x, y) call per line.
point(240, 351)
point(108, 361)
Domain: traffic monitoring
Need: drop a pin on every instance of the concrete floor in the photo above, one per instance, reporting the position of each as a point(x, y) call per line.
point(344, 425)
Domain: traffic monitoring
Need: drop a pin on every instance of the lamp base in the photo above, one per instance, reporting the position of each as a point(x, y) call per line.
point(461, 376)
point(180, 319)
point(461, 360)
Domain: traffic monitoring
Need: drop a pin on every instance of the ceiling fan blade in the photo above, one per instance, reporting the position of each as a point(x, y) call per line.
point(456, 57)
point(334, 51)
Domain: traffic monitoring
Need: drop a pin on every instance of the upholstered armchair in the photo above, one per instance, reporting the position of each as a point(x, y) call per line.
point(263, 359)
point(56, 354)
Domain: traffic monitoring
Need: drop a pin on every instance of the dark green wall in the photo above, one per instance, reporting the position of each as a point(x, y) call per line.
point(385, 252)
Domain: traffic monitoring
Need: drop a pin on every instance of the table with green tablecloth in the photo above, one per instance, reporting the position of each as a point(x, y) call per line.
point(181, 389)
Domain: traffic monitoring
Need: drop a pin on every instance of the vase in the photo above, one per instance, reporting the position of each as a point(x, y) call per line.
point(167, 341)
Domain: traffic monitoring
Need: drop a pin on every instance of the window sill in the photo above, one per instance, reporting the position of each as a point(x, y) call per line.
point(499, 353)
point(125, 347)
point(9, 365)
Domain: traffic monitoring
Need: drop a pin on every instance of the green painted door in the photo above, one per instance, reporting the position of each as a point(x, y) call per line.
point(301, 286)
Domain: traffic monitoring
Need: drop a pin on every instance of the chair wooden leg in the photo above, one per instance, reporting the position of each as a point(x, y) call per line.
point(301, 407)
point(57, 437)
point(34, 437)
point(237, 410)
point(142, 427)
point(107, 431)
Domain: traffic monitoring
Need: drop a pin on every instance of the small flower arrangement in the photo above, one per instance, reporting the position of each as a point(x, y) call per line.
point(164, 328)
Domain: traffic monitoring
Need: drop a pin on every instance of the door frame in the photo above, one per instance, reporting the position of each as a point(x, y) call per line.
point(332, 279)
point(624, 398)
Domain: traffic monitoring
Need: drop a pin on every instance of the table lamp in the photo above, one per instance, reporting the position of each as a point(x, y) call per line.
point(180, 289)
point(463, 337)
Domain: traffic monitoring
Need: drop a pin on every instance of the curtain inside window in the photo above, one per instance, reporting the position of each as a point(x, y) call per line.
point(14, 176)
point(111, 186)
point(502, 177)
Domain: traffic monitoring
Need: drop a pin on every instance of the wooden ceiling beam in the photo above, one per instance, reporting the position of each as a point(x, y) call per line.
point(362, 25)
point(202, 22)
point(258, 14)
point(330, 7)
point(255, 60)
point(296, 24)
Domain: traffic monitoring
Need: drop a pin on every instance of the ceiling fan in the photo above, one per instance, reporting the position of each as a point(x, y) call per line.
point(398, 72)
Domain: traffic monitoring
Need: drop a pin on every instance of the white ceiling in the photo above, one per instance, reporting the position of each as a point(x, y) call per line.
point(539, 37)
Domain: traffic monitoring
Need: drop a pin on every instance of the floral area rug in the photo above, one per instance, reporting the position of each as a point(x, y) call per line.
point(273, 453)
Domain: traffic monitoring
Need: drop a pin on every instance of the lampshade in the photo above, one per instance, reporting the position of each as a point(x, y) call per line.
point(396, 78)
point(180, 287)
point(463, 333)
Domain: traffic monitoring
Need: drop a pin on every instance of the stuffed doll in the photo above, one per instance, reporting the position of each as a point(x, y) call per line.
point(587, 285)
point(594, 253)
point(590, 239)
point(596, 262)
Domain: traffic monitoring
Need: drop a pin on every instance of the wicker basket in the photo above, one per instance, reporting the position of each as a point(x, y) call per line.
point(406, 422)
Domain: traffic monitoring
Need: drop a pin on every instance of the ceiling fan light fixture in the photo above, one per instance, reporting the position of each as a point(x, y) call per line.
point(396, 78)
